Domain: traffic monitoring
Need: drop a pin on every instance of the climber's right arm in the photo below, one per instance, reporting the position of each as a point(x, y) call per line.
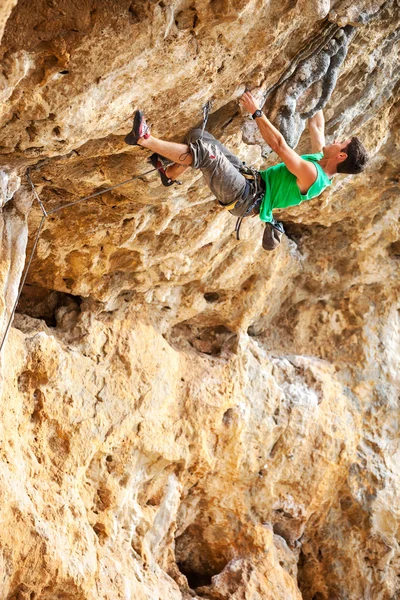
point(316, 127)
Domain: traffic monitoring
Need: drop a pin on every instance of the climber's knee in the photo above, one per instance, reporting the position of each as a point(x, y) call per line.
point(193, 136)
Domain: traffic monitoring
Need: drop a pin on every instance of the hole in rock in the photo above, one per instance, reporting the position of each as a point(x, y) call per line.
point(137, 12)
point(394, 250)
point(228, 417)
point(254, 330)
point(298, 231)
point(249, 283)
point(211, 296)
point(65, 72)
point(186, 19)
point(283, 532)
point(195, 580)
point(42, 303)
point(196, 559)
point(31, 131)
point(101, 532)
point(208, 340)
point(152, 502)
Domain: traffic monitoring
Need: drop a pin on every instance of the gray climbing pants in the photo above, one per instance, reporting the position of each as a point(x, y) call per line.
point(219, 166)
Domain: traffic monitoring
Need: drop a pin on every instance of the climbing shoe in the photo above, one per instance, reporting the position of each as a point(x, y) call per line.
point(140, 129)
point(272, 235)
point(158, 163)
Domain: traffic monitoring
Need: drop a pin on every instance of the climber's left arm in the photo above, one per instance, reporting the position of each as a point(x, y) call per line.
point(316, 127)
point(304, 171)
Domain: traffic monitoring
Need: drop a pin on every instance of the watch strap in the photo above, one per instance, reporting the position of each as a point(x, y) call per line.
point(257, 113)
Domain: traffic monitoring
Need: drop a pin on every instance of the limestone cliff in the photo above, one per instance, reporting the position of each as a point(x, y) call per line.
point(184, 415)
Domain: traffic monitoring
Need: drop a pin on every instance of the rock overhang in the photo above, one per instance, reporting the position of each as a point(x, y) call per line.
point(258, 415)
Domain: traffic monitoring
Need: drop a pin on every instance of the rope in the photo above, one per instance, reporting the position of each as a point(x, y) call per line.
point(28, 175)
point(55, 210)
point(246, 213)
point(45, 215)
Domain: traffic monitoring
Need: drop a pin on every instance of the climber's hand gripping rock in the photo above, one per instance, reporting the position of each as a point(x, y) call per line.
point(304, 171)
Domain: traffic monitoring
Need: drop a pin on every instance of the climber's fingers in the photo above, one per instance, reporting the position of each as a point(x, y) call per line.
point(248, 102)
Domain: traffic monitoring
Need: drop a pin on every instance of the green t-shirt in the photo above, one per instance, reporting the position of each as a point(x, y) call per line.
point(281, 189)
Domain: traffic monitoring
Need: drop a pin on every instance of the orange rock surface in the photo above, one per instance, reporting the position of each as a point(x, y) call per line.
point(182, 414)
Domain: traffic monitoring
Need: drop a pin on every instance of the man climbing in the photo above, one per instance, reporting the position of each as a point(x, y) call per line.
point(244, 191)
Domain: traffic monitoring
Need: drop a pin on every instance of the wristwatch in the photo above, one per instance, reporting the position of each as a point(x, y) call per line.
point(258, 113)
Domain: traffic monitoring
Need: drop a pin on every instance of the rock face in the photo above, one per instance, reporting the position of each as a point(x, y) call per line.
point(184, 415)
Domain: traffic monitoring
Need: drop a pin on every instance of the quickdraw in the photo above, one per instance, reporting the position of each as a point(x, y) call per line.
point(206, 113)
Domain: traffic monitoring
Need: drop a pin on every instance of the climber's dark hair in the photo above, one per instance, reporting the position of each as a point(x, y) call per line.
point(357, 158)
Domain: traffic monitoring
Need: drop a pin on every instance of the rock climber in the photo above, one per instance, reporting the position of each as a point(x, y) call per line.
point(245, 191)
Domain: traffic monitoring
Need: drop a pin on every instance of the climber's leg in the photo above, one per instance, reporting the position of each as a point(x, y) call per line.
point(219, 166)
point(178, 153)
point(174, 171)
point(196, 134)
point(221, 175)
point(161, 164)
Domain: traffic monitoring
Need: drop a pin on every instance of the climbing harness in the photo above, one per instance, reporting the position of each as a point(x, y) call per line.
point(253, 201)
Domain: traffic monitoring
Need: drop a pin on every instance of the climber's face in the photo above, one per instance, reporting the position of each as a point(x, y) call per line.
point(336, 150)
